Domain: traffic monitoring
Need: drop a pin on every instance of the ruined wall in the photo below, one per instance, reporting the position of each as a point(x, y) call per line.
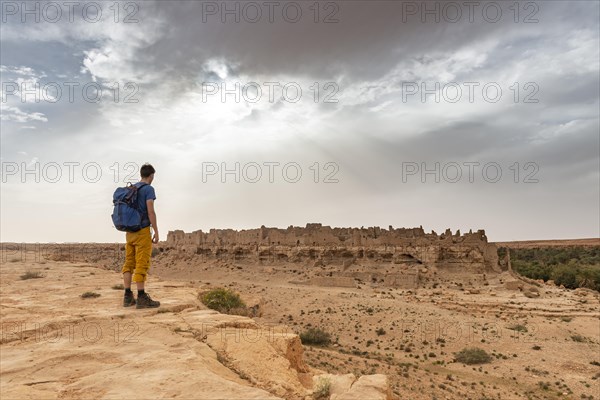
point(469, 252)
point(316, 234)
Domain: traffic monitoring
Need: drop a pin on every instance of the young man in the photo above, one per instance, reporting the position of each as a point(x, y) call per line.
point(138, 249)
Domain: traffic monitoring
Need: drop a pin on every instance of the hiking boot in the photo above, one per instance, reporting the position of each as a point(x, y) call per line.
point(128, 300)
point(144, 301)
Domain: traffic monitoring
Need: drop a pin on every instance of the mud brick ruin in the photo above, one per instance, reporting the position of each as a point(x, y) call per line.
point(402, 257)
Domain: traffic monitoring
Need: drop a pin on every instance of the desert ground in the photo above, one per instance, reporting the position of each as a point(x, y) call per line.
point(396, 343)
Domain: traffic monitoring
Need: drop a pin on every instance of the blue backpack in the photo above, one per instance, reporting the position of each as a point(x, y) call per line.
point(126, 216)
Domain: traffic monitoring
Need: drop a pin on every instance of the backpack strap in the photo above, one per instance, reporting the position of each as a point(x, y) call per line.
point(129, 185)
point(133, 190)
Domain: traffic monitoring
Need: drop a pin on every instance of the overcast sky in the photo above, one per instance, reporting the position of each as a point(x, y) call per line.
point(359, 97)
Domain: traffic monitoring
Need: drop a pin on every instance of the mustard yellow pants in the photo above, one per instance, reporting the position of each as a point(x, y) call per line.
point(137, 254)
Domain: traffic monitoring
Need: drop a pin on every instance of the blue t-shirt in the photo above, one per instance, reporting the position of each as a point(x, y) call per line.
point(145, 193)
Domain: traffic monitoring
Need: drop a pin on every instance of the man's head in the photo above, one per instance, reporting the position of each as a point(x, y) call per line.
point(147, 172)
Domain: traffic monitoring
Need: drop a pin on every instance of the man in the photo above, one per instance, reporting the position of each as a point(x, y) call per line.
point(138, 249)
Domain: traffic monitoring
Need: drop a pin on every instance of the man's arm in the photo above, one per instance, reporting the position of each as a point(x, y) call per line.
point(152, 217)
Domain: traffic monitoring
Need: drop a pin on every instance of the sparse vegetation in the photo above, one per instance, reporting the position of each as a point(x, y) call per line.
point(578, 338)
point(315, 336)
point(118, 287)
point(223, 300)
point(31, 275)
point(472, 356)
point(518, 328)
point(89, 295)
point(322, 389)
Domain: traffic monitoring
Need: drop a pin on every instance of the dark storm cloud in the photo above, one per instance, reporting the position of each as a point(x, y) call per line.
point(369, 39)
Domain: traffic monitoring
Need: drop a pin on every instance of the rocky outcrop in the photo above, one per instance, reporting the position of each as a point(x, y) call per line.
point(58, 344)
point(466, 253)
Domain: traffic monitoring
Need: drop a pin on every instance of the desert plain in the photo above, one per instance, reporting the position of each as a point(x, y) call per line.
point(398, 306)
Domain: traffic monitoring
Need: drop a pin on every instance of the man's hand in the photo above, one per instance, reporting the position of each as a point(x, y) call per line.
point(152, 217)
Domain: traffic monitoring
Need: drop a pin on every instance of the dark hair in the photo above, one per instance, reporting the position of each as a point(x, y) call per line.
point(146, 170)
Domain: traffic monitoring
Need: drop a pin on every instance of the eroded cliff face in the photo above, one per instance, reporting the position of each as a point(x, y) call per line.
point(393, 257)
point(347, 257)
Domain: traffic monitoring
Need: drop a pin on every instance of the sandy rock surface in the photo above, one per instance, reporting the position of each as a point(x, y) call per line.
point(58, 345)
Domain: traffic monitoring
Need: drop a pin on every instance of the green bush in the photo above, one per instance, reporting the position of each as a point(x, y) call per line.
point(533, 270)
point(589, 277)
point(315, 336)
point(473, 355)
point(222, 300)
point(565, 275)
